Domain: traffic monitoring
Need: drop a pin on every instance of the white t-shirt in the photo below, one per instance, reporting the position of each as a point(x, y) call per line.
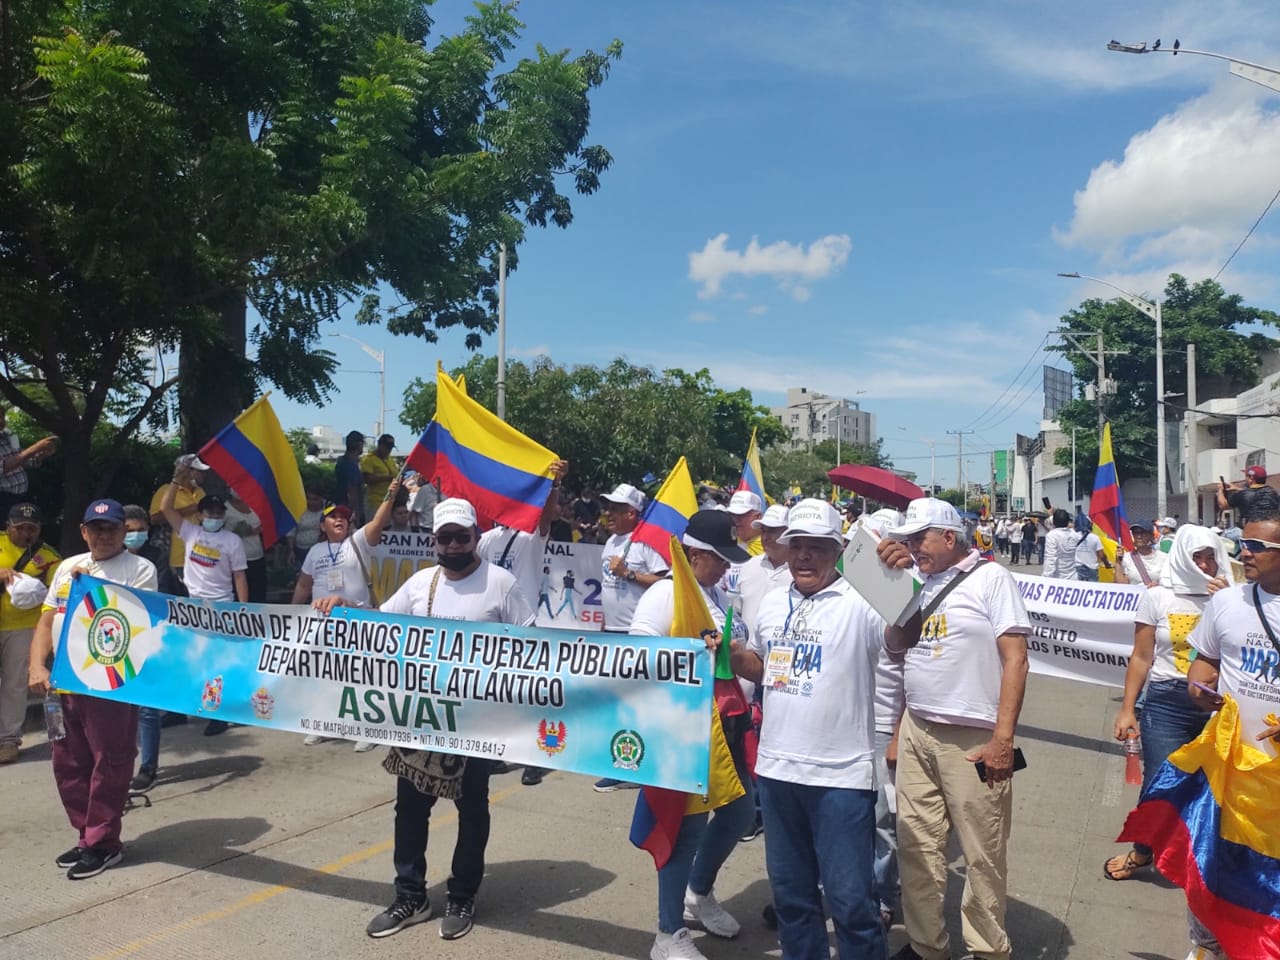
point(211, 560)
point(307, 533)
point(1087, 550)
point(1015, 533)
point(487, 595)
point(617, 595)
point(1231, 633)
point(524, 559)
point(1060, 554)
point(1174, 617)
point(252, 542)
point(819, 727)
point(422, 504)
point(953, 674)
point(657, 608)
point(1155, 562)
point(337, 569)
point(757, 578)
point(124, 568)
point(891, 699)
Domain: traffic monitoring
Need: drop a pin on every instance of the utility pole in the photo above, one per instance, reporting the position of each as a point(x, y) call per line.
point(1189, 422)
point(1099, 360)
point(959, 435)
point(502, 331)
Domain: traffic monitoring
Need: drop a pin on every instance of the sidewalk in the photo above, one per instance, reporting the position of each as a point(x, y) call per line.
point(256, 846)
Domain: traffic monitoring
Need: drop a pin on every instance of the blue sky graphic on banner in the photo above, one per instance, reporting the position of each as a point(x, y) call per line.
point(635, 708)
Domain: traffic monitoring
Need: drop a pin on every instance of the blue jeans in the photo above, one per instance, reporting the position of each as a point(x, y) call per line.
point(822, 835)
point(886, 863)
point(1169, 720)
point(413, 817)
point(700, 850)
point(149, 737)
point(1086, 573)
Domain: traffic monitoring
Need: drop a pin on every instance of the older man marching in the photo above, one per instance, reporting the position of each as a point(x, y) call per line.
point(964, 677)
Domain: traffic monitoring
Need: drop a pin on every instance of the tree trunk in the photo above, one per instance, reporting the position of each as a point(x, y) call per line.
point(78, 486)
point(217, 382)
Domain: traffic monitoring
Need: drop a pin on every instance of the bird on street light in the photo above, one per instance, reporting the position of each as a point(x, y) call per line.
point(1155, 46)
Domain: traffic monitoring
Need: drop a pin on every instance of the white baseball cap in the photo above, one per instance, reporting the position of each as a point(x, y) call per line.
point(926, 513)
point(626, 494)
point(882, 521)
point(1168, 523)
point(189, 460)
point(775, 516)
point(453, 512)
point(813, 518)
point(744, 501)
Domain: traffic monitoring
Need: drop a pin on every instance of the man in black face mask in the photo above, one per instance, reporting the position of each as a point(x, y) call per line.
point(461, 587)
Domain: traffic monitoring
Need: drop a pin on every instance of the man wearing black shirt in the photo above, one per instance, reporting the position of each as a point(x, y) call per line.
point(1241, 499)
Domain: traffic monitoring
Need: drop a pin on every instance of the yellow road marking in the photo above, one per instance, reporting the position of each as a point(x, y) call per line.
point(262, 896)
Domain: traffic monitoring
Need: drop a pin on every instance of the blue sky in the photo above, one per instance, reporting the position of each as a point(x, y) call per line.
point(877, 197)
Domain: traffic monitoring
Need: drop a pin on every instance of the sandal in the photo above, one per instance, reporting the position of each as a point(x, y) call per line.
point(1129, 865)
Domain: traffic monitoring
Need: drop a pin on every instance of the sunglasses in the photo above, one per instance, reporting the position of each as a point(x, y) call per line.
point(1258, 546)
point(447, 539)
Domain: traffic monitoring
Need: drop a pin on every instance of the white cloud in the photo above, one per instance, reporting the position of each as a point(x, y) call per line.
point(788, 263)
point(759, 310)
point(541, 350)
point(701, 316)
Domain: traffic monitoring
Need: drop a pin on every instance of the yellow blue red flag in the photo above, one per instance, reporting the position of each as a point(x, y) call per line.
point(254, 456)
point(473, 454)
point(1106, 505)
point(668, 513)
point(752, 473)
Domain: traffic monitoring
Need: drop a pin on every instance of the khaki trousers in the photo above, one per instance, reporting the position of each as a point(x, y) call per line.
point(939, 792)
point(15, 650)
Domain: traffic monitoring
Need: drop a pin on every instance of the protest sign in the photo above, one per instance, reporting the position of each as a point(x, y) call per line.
point(634, 708)
point(1080, 630)
point(567, 594)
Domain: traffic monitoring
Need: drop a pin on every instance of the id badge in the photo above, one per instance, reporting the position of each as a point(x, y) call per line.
point(777, 669)
point(333, 580)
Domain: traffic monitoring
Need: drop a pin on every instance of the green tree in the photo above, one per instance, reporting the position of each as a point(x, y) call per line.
point(806, 467)
point(168, 171)
point(1227, 362)
point(616, 423)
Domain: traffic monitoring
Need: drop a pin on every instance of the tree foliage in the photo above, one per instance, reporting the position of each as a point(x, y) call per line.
point(167, 168)
point(1227, 362)
point(806, 468)
point(616, 424)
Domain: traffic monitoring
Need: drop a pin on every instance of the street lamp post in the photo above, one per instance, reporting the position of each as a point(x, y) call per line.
point(933, 477)
point(381, 357)
point(1264, 76)
point(1151, 310)
point(502, 331)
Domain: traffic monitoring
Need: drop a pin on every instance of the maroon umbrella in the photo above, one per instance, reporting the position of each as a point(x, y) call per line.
point(875, 483)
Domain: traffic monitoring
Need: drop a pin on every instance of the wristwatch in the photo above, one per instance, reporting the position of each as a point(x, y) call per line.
point(631, 576)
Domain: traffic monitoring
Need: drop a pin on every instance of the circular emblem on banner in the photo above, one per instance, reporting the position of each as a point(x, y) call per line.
point(627, 748)
point(109, 636)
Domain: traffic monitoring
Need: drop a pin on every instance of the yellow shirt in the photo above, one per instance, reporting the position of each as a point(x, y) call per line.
point(41, 566)
point(752, 546)
point(185, 498)
point(378, 476)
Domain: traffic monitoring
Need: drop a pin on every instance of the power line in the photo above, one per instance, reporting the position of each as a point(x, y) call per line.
point(1016, 378)
point(1261, 216)
point(1015, 403)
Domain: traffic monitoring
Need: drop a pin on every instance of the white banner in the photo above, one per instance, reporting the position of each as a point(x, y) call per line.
point(567, 596)
point(1080, 630)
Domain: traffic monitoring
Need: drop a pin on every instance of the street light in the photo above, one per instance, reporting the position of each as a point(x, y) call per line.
point(1264, 76)
point(933, 479)
point(1151, 310)
point(382, 376)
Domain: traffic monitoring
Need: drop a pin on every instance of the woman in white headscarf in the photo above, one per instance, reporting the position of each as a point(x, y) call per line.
point(1198, 566)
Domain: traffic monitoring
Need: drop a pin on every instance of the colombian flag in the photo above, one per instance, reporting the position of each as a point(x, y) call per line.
point(752, 474)
point(668, 512)
point(659, 812)
point(1106, 506)
point(473, 454)
point(1210, 817)
point(253, 455)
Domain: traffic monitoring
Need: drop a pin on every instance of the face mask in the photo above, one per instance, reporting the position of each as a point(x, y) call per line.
point(135, 540)
point(456, 561)
point(212, 524)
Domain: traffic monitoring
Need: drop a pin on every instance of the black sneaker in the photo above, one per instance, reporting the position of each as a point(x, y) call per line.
point(215, 727)
point(92, 862)
point(907, 953)
point(532, 776)
point(457, 919)
point(403, 913)
point(70, 858)
point(142, 781)
point(754, 831)
point(770, 916)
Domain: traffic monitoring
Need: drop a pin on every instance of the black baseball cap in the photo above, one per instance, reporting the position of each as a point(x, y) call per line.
point(25, 513)
point(714, 530)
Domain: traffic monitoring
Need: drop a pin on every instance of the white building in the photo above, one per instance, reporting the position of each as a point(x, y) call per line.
point(1230, 434)
point(811, 417)
point(330, 441)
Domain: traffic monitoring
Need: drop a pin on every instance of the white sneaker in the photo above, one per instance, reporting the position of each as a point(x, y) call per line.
point(715, 919)
point(364, 746)
point(312, 739)
point(1203, 953)
point(675, 946)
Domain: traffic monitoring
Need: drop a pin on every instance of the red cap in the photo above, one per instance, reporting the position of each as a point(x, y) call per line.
point(1257, 473)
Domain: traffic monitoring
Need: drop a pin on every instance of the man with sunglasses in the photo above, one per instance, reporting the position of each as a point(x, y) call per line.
point(1237, 644)
point(461, 587)
point(964, 678)
point(335, 572)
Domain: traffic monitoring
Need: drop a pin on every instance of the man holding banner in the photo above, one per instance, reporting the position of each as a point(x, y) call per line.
point(93, 762)
point(460, 587)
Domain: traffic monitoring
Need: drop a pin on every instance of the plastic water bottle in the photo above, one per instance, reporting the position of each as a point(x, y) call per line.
point(53, 719)
point(1133, 760)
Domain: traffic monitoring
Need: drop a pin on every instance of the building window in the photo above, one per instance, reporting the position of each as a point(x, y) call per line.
point(1223, 436)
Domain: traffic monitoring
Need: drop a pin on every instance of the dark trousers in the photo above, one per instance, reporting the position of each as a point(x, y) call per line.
point(1028, 548)
point(92, 766)
point(413, 818)
point(256, 573)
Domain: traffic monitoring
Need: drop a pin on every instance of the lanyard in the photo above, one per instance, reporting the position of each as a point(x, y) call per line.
point(431, 594)
point(334, 558)
point(1266, 625)
point(806, 605)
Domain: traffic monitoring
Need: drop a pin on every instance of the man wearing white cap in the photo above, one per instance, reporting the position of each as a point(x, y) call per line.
point(188, 471)
point(766, 572)
point(964, 679)
point(1165, 527)
point(460, 587)
point(630, 568)
point(746, 509)
point(814, 651)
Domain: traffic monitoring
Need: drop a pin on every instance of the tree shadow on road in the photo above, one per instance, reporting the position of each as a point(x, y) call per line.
point(1065, 739)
